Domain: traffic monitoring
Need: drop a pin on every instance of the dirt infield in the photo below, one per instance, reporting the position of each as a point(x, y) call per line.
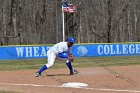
point(99, 80)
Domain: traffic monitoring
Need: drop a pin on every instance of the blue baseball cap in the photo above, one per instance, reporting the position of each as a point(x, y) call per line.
point(71, 40)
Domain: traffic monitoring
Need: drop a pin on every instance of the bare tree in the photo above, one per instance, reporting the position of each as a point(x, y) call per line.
point(40, 21)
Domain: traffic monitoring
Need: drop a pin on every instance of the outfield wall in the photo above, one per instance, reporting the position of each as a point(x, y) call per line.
point(79, 50)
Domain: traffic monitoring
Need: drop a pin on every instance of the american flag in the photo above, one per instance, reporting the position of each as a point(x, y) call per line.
point(70, 8)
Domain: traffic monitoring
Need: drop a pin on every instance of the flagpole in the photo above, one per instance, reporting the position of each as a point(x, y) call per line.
point(63, 25)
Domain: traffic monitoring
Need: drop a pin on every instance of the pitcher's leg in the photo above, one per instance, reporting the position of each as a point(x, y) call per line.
point(64, 57)
point(69, 65)
point(51, 59)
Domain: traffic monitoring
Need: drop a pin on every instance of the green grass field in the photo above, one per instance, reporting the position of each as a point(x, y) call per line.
point(78, 62)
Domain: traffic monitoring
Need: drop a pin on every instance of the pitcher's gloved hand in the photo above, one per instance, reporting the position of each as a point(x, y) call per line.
point(71, 57)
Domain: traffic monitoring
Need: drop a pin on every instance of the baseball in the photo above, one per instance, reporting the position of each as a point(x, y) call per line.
point(117, 75)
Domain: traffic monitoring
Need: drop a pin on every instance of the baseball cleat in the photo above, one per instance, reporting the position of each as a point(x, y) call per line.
point(74, 72)
point(37, 74)
point(71, 73)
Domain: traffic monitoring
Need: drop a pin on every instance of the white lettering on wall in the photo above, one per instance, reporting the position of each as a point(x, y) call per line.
point(36, 51)
point(125, 49)
point(106, 49)
point(137, 48)
point(119, 49)
point(20, 51)
point(43, 52)
point(131, 49)
point(28, 51)
point(112, 51)
point(31, 51)
point(100, 50)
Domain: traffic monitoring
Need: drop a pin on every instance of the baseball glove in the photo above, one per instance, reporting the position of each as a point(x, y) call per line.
point(71, 57)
